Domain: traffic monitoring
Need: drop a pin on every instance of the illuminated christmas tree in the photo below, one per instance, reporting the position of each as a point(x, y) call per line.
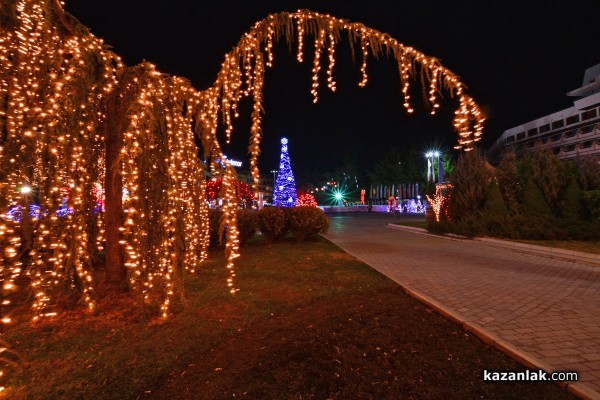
point(284, 194)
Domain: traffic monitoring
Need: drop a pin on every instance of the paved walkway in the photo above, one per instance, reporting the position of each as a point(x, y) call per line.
point(543, 311)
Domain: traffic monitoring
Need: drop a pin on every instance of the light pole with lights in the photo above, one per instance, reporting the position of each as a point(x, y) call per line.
point(431, 155)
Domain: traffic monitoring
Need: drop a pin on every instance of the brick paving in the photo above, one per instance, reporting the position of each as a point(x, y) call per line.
point(545, 311)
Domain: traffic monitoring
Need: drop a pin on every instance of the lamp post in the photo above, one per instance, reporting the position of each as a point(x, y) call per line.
point(436, 154)
point(274, 172)
point(431, 156)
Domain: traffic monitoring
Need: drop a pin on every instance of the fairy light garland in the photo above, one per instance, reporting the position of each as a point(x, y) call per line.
point(243, 73)
point(330, 81)
point(432, 92)
point(55, 79)
point(54, 118)
point(363, 69)
point(319, 41)
point(436, 204)
point(300, 25)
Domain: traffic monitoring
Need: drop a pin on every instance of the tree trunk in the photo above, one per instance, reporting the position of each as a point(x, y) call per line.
point(116, 272)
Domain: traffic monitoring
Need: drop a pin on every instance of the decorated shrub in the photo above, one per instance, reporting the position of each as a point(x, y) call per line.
point(271, 222)
point(306, 199)
point(305, 221)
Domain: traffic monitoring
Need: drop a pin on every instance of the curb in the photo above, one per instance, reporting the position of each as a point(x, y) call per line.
point(578, 389)
point(550, 252)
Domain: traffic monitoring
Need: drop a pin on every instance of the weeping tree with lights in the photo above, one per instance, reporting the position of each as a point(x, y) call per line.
point(284, 192)
point(73, 115)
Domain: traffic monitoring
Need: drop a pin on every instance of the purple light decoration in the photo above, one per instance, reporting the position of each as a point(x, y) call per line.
point(64, 211)
point(284, 193)
point(14, 212)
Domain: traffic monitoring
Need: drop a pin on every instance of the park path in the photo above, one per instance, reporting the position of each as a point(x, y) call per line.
point(543, 311)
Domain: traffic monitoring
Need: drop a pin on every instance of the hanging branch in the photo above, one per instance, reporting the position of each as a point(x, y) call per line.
point(257, 44)
point(64, 96)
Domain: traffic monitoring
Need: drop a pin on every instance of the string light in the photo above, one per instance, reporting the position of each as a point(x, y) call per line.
point(363, 69)
point(319, 41)
point(436, 204)
point(57, 79)
point(330, 81)
point(300, 18)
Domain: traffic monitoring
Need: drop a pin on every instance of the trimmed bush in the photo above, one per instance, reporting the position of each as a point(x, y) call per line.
point(286, 226)
point(247, 221)
point(469, 226)
point(535, 228)
point(306, 221)
point(271, 222)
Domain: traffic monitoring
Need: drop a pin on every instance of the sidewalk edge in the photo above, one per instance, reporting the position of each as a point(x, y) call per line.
point(578, 389)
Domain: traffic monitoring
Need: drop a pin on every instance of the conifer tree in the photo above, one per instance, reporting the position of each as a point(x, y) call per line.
point(534, 203)
point(547, 171)
point(572, 198)
point(494, 203)
point(284, 193)
point(508, 182)
point(470, 182)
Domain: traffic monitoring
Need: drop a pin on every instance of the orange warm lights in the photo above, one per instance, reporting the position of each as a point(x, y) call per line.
point(59, 80)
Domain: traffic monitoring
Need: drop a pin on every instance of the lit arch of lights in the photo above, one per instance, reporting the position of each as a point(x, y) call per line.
point(63, 93)
point(242, 72)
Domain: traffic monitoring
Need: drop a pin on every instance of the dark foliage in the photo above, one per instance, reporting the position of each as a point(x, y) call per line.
point(305, 221)
point(271, 222)
point(470, 181)
point(507, 175)
point(247, 223)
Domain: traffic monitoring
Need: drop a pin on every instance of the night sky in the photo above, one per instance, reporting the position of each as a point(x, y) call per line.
point(517, 58)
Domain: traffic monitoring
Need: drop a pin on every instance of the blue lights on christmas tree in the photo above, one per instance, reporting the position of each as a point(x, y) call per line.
point(284, 194)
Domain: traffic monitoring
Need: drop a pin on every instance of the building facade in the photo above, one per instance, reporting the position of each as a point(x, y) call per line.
point(570, 133)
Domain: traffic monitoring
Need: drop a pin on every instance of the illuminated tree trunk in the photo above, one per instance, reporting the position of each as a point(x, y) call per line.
point(115, 267)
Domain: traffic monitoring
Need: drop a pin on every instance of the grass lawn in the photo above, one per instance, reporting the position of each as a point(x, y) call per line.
point(592, 246)
point(309, 322)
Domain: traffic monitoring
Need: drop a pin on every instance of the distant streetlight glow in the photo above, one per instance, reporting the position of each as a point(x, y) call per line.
point(432, 155)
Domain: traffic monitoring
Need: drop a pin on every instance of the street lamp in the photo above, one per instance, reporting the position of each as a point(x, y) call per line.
point(437, 162)
point(274, 172)
point(431, 156)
